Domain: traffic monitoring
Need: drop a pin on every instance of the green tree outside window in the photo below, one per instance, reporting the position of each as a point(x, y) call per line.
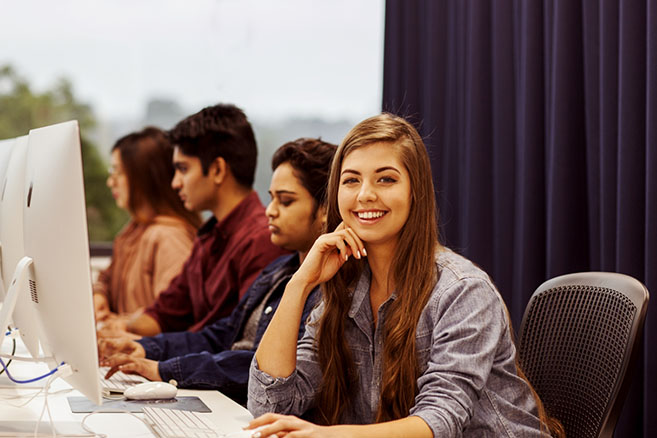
point(21, 109)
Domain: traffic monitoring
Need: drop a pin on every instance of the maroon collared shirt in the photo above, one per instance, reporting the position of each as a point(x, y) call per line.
point(226, 258)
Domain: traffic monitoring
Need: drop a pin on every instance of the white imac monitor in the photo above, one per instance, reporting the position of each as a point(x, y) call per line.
point(5, 151)
point(57, 254)
point(6, 147)
point(12, 248)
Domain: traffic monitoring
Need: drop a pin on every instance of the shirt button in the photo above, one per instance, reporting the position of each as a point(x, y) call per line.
point(268, 310)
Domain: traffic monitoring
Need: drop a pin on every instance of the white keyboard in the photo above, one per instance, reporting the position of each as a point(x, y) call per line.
point(119, 381)
point(173, 423)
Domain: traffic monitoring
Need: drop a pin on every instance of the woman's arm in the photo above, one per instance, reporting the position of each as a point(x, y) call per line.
point(143, 325)
point(272, 424)
point(276, 354)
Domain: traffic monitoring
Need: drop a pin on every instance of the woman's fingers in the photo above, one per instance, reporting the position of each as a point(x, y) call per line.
point(263, 419)
point(339, 242)
point(357, 246)
point(358, 243)
point(277, 425)
point(347, 243)
point(327, 255)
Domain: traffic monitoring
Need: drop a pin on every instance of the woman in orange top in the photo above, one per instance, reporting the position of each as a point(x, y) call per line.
point(151, 249)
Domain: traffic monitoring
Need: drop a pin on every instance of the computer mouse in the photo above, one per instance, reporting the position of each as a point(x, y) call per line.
point(151, 391)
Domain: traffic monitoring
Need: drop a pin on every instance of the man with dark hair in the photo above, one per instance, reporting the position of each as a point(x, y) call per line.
point(219, 131)
point(215, 158)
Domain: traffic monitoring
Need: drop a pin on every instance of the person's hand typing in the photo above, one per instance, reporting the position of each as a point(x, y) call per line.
point(110, 346)
point(132, 365)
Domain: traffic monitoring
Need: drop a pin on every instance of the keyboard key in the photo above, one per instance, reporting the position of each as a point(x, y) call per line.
point(173, 423)
point(119, 381)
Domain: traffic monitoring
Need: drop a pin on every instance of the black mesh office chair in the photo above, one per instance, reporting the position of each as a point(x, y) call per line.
point(579, 336)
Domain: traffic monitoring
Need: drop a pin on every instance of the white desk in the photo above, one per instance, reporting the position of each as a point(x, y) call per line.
point(226, 415)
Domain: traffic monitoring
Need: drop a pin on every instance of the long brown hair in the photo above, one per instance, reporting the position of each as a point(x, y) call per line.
point(147, 160)
point(413, 274)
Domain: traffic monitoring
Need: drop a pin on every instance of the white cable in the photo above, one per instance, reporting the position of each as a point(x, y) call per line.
point(45, 404)
point(62, 371)
point(21, 386)
point(31, 396)
point(52, 423)
point(35, 395)
point(101, 435)
point(25, 358)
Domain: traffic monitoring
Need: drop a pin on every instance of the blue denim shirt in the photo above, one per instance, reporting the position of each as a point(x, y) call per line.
point(468, 385)
point(204, 359)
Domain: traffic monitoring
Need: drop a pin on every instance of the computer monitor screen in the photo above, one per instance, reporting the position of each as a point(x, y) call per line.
point(56, 240)
point(12, 249)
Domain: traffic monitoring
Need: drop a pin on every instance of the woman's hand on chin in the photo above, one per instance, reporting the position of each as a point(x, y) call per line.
point(327, 255)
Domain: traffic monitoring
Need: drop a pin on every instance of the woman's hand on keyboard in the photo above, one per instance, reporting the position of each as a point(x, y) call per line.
point(110, 346)
point(277, 425)
point(132, 365)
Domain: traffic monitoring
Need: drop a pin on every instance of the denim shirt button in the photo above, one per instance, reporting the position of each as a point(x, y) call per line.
point(268, 310)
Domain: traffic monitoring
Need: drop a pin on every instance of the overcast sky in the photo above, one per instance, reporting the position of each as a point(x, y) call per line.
point(274, 58)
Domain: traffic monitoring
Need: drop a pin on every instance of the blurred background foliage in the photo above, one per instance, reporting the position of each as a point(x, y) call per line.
point(22, 109)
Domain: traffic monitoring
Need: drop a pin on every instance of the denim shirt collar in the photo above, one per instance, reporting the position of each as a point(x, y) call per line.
point(362, 291)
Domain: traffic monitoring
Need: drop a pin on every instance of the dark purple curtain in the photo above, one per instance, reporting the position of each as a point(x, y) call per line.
point(541, 122)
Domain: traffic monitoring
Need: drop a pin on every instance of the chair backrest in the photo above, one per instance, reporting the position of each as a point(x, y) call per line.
point(579, 336)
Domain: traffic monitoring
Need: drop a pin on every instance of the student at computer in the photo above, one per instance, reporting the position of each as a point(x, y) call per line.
point(151, 249)
point(218, 356)
point(215, 158)
point(408, 335)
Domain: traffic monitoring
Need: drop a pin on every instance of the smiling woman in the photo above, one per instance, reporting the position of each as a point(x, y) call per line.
point(374, 200)
point(409, 335)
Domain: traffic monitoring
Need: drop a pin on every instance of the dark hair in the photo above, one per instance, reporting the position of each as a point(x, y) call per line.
point(219, 131)
point(311, 159)
point(146, 157)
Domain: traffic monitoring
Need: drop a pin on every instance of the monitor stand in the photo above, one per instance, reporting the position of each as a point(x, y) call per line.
point(19, 284)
